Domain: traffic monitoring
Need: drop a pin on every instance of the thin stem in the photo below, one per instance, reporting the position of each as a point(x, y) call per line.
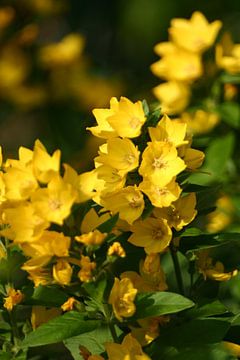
point(15, 332)
point(177, 269)
point(110, 323)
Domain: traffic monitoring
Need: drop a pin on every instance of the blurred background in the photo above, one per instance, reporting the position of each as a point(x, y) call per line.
point(60, 59)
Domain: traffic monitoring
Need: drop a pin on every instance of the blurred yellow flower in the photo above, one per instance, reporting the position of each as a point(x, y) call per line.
point(67, 51)
point(222, 217)
point(122, 298)
point(130, 349)
point(92, 220)
point(116, 249)
point(152, 272)
point(62, 272)
point(7, 14)
point(228, 55)
point(200, 122)
point(41, 315)
point(128, 202)
point(152, 234)
point(173, 96)
point(13, 298)
point(196, 34)
point(87, 267)
point(69, 304)
point(94, 237)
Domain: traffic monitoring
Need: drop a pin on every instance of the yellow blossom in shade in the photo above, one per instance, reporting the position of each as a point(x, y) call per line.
point(116, 249)
point(88, 183)
point(94, 237)
point(160, 163)
point(222, 217)
point(152, 234)
point(173, 96)
point(111, 178)
point(128, 202)
point(180, 213)
point(200, 122)
point(40, 276)
point(25, 225)
point(20, 183)
point(233, 348)
point(196, 34)
point(193, 158)
point(130, 349)
point(209, 269)
point(170, 131)
point(7, 14)
point(45, 166)
point(121, 154)
point(228, 55)
point(138, 282)
point(149, 329)
point(54, 202)
point(2, 189)
point(50, 243)
point(65, 52)
point(161, 196)
point(62, 272)
point(128, 119)
point(69, 304)
point(92, 220)
point(71, 177)
point(87, 267)
point(177, 64)
point(122, 298)
point(95, 357)
point(104, 129)
point(152, 272)
point(230, 92)
point(36, 263)
point(13, 298)
point(1, 157)
point(40, 315)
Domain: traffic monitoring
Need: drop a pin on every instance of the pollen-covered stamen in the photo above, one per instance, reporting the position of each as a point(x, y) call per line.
point(159, 163)
point(134, 122)
point(130, 159)
point(157, 234)
point(135, 202)
point(54, 204)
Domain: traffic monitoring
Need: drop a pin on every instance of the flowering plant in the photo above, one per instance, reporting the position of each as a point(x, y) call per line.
point(120, 262)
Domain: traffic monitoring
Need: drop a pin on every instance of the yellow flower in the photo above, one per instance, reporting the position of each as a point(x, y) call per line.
point(36, 263)
point(88, 183)
point(228, 55)
point(128, 202)
point(62, 272)
point(170, 131)
point(116, 249)
point(152, 234)
point(127, 121)
point(104, 129)
point(177, 64)
point(14, 297)
point(161, 196)
point(39, 276)
point(7, 14)
point(130, 349)
point(92, 238)
point(87, 267)
point(213, 271)
point(54, 202)
point(220, 218)
point(25, 224)
point(121, 154)
point(50, 243)
point(233, 348)
point(45, 166)
point(149, 329)
point(152, 272)
point(69, 304)
point(180, 213)
point(200, 122)
point(65, 52)
point(111, 178)
point(122, 298)
point(173, 96)
point(91, 221)
point(193, 158)
point(196, 34)
point(40, 315)
point(138, 282)
point(160, 163)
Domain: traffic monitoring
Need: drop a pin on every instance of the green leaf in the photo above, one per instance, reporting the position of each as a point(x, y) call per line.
point(207, 352)
point(230, 113)
point(96, 289)
point(60, 328)
point(108, 225)
point(93, 341)
point(5, 356)
point(48, 296)
point(230, 78)
point(145, 107)
point(209, 309)
point(160, 303)
point(218, 155)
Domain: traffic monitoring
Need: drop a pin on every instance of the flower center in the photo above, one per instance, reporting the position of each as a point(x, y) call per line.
point(157, 234)
point(134, 122)
point(129, 159)
point(54, 204)
point(159, 163)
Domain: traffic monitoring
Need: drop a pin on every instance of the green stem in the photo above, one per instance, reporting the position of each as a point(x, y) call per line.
point(15, 332)
point(177, 269)
point(110, 323)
